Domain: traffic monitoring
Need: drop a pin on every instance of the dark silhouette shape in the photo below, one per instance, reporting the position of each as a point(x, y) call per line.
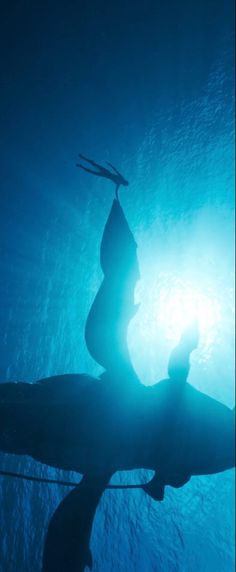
point(99, 426)
point(179, 364)
point(67, 542)
point(113, 307)
point(115, 176)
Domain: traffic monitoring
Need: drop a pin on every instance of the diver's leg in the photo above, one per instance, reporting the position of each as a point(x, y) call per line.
point(88, 170)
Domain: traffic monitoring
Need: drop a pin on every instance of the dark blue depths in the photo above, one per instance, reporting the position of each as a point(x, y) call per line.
point(178, 156)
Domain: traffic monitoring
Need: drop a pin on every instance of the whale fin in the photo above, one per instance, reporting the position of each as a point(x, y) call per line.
point(179, 361)
point(155, 488)
point(67, 540)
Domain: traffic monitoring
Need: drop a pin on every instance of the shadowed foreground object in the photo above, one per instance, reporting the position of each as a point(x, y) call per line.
point(67, 542)
point(113, 307)
point(99, 426)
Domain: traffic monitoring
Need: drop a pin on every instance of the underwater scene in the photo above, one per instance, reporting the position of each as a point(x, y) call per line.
point(117, 363)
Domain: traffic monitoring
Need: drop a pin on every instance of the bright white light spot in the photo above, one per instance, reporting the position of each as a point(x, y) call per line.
point(167, 306)
point(178, 307)
point(170, 309)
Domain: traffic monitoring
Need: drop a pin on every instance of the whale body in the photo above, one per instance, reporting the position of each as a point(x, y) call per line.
point(80, 423)
point(99, 426)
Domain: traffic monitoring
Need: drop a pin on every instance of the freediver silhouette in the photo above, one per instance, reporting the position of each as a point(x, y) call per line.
point(99, 426)
point(114, 176)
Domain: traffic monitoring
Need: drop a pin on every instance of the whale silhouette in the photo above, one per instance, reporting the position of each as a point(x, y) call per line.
point(97, 426)
point(80, 423)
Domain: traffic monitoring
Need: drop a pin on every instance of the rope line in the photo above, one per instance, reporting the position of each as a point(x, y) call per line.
point(64, 483)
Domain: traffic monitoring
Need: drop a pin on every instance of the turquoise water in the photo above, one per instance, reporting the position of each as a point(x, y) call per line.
point(176, 147)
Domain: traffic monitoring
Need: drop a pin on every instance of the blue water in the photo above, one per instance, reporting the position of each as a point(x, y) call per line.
point(172, 135)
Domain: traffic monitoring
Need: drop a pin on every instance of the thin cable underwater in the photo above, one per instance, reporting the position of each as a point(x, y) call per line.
point(63, 483)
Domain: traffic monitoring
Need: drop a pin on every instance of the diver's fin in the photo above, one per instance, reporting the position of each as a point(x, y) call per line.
point(114, 168)
point(66, 547)
point(89, 170)
point(155, 488)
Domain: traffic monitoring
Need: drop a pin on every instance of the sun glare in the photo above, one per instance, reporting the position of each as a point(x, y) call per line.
point(178, 307)
point(170, 309)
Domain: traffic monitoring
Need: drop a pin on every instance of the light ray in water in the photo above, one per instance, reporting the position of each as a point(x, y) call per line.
point(167, 306)
point(171, 308)
point(183, 304)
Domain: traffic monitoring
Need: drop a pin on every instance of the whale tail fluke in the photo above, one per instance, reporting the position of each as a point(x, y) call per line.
point(66, 547)
point(113, 308)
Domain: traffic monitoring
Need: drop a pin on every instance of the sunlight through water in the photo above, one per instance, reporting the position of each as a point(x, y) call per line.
point(181, 305)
